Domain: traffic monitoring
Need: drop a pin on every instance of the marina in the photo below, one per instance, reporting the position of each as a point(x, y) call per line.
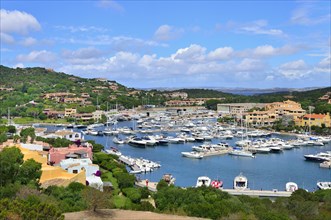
point(266, 170)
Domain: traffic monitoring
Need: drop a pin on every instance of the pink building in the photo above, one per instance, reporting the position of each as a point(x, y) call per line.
point(56, 155)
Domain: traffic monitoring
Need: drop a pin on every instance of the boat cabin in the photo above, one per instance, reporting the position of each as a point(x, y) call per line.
point(240, 182)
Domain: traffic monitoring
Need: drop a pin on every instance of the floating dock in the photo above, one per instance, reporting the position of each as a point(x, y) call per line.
point(258, 193)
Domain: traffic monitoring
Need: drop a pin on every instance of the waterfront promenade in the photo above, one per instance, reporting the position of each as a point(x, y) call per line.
point(258, 193)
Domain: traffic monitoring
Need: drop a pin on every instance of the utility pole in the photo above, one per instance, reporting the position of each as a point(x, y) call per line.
point(9, 122)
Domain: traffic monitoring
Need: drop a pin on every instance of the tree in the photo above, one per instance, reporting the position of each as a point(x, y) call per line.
point(11, 129)
point(212, 104)
point(95, 198)
point(29, 171)
point(10, 161)
point(14, 169)
point(28, 132)
point(3, 138)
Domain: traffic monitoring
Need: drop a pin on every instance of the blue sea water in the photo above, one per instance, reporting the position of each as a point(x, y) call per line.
point(266, 171)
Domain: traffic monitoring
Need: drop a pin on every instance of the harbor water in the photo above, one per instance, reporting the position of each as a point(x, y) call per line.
point(265, 171)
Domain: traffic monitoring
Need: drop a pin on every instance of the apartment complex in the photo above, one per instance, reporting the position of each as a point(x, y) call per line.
point(314, 120)
point(275, 111)
point(235, 109)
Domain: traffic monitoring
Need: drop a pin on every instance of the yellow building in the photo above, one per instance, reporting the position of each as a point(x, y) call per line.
point(275, 111)
point(70, 112)
point(52, 175)
point(314, 120)
point(286, 108)
point(260, 117)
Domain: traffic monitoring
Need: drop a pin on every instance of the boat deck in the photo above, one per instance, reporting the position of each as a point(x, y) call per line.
point(214, 153)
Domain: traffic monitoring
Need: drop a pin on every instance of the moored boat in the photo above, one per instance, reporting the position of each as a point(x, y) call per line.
point(240, 182)
point(324, 185)
point(291, 187)
point(192, 154)
point(203, 181)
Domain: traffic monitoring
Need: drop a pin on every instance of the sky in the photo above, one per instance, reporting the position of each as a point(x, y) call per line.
point(176, 44)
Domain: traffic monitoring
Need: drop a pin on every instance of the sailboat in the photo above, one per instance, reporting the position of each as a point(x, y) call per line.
point(240, 151)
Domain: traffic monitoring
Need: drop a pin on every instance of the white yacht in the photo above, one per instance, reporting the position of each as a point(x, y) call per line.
point(203, 181)
point(324, 185)
point(242, 153)
point(320, 157)
point(113, 151)
point(291, 187)
point(118, 140)
point(240, 182)
point(192, 154)
point(137, 142)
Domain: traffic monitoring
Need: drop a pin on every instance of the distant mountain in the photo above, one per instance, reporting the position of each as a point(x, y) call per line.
point(238, 91)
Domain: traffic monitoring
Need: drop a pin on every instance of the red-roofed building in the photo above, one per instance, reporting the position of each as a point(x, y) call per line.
point(56, 155)
point(314, 120)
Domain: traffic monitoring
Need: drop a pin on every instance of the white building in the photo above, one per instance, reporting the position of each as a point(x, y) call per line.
point(76, 165)
point(67, 134)
point(97, 115)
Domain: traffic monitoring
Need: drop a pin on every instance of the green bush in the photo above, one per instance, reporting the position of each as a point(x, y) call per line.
point(133, 194)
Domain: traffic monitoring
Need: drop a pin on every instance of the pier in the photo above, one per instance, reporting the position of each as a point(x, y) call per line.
point(258, 193)
point(145, 183)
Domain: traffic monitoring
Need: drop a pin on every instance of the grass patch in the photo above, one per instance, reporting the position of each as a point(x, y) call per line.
point(27, 120)
point(121, 202)
point(108, 177)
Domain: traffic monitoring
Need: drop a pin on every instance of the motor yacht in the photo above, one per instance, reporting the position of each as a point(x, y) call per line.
point(291, 187)
point(240, 182)
point(242, 153)
point(118, 140)
point(192, 154)
point(203, 181)
point(324, 185)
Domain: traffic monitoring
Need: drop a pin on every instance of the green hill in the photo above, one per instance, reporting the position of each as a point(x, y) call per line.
point(22, 90)
point(20, 86)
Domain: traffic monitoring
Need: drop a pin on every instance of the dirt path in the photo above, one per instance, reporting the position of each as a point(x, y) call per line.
point(118, 214)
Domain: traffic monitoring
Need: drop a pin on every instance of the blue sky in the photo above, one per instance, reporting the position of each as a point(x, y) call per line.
point(144, 44)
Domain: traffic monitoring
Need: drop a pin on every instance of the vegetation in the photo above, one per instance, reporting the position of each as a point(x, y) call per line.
point(211, 203)
point(30, 84)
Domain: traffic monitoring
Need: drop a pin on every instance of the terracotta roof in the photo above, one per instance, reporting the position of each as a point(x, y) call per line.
point(320, 116)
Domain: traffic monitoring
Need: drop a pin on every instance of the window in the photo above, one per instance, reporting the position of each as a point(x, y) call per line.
point(75, 171)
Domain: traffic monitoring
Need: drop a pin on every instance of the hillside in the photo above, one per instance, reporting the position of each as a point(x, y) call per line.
point(26, 91)
point(22, 86)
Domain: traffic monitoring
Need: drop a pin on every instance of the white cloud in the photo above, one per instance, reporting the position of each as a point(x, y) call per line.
point(74, 29)
point(192, 64)
point(17, 22)
point(118, 43)
point(259, 27)
point(19, 65)
point(221, 53)
point(294, 70)
point(166, 32)
point(302, 16)
point(6, 38)
point(192, 53)
point(248, 65)
point(82, 53)
point(324, 66)
point(268, 50)
point(88, 55)
point(42, 56)
point(110, 4)
point(28, 42)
